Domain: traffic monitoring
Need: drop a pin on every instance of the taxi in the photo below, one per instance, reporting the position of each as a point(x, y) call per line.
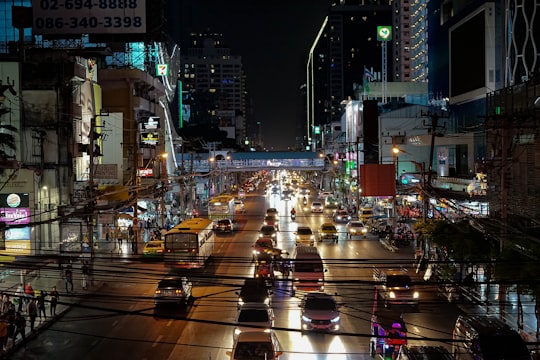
point(154, 248)
point(328, 231)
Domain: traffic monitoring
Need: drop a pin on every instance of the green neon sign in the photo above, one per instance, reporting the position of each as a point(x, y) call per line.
point(384, 33)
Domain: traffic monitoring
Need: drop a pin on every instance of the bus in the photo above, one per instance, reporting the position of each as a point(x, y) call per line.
point(189, 244)
point(221, 207)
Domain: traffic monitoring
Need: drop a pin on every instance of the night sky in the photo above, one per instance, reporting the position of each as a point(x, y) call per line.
point(273, 38)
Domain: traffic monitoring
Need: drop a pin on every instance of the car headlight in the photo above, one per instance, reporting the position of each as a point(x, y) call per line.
point(335, 320)
point(237, 331)
point(392, 295)
point(311, 237)
point(267, 301)
point(255, 252)
point(416, 295)
point(364, 230)
point(305, 319)
point(240, 301)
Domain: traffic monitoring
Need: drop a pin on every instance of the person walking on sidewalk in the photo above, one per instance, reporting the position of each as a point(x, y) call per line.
point(84, 280)
point(20, 328)
point(68, 279)
point(40, 300)
point(54, 300)
point(20, 295)
point(32, 312)
point(3, 331)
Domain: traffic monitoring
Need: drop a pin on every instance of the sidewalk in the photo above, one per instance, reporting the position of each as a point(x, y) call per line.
point(44, 273)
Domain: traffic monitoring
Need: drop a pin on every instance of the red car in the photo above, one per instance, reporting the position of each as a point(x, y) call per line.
point(262, 245)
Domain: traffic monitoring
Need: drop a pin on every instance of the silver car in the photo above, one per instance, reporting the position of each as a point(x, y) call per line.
point(173, 290)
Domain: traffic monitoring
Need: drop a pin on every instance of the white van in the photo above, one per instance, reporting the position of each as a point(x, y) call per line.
point(307, 270)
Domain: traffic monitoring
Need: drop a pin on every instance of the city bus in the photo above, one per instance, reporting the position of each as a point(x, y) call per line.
point(189, 244)
point(221, 207)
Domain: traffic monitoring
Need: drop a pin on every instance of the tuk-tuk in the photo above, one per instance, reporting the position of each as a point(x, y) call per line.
point(389, 333)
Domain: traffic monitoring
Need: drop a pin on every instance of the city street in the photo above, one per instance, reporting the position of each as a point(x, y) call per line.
point(119, 320)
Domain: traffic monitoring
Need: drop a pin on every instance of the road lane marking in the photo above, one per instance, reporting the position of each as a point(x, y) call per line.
point(169, 323)
point(115, 323)
point(158, 340)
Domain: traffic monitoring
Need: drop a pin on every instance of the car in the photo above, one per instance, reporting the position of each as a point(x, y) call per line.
point(342, 217)
point(251, 345)
point(304, 236)
point(173, 290)
point(423, 352)
point(395, 287)
point(320, 312)
point(356, 228)
point(241, 194)
point(304, 191)
point(331, 202)
point(239, 207)
point(273, 212)
point(224, 225)
point(271, 220)
point(325, 194)
point(257, 317)
point(328, 231)
point(316, 207)
point(261, 245)
point(254, 291)
point(268, 231)
point(154, 249)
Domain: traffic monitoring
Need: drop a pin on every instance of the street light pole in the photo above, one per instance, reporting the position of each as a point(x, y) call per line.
point(163, 177)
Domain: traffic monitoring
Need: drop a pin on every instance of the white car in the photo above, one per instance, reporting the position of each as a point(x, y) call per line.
point(325, 194)
point(316, 207)
point(356, 228)
point(239, 207)
point(304, 236)
point(255, 345)
point(253, 314)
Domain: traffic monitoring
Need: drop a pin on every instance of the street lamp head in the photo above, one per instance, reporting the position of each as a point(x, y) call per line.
point(164, 155)
point(396, 150)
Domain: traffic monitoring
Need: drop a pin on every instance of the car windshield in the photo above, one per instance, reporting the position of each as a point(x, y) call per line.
point(356, 224)
point(328, 228)
point(320, 304)
point(267, 229)
point(304, 231)
point(153, 245)
point(170, 284)
point(398, 281)
point(315, 204)
point(266, 243)
point(253, 315)
point(253, 351)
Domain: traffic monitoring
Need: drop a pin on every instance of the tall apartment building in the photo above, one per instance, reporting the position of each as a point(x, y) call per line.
point(207, 67)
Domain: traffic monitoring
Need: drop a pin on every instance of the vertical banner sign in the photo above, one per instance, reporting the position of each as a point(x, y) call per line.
point(180, 105)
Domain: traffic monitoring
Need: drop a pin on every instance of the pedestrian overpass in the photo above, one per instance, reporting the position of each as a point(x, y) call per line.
point(249, 161)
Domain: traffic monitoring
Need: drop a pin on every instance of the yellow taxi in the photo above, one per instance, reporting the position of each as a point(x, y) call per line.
point(154, 248)
point(328, 231)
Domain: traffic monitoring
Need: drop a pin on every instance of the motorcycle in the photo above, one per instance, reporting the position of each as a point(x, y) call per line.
point(305, 201)
point(293, 216)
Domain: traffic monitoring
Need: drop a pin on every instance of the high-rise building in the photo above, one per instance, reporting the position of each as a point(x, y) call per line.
point(210, 71)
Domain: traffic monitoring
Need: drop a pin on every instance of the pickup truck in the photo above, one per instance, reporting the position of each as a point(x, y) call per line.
point(395, 287)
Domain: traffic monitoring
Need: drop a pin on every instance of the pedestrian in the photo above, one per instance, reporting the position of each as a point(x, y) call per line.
point(54, 295)
point(28, 292)
point(40, 301)
point(20, 328)
point(90, 274)
point(68, 279)
point(20, 294)
point(4, 304)
point(3, 331)
point(84, 280)
point(32, 312)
